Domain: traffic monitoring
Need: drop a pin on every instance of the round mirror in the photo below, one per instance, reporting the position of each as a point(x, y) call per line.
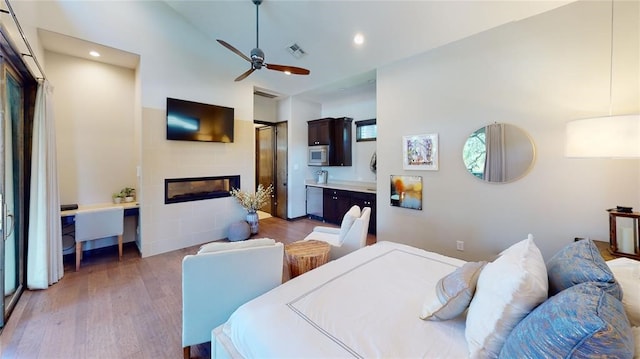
point(498, 153)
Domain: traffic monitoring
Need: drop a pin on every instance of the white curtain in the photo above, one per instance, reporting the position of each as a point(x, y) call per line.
point(44, 257)
point(494, 165)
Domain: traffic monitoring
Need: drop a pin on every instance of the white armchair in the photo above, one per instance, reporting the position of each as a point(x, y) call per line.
point(222, 277)
point(351, 235)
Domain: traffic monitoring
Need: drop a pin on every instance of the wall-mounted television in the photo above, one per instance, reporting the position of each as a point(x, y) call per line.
point(194, 121)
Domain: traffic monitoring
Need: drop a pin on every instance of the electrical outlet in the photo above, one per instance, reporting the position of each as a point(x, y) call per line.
point(460, 245)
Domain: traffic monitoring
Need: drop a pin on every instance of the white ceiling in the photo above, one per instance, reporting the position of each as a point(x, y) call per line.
point(324, 29)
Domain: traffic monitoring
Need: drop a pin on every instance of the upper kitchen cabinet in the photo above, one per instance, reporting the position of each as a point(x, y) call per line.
point(336, 133)
point(320, 131)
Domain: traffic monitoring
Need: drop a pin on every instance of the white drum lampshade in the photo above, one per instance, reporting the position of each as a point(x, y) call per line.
point(604, 137)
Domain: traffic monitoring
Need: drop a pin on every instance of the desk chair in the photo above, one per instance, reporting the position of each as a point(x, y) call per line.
point(98, 223)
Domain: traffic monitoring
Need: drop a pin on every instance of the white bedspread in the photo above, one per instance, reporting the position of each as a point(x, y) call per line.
point(363, 305)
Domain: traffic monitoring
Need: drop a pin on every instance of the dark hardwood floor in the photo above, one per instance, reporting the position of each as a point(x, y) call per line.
point(111, 309)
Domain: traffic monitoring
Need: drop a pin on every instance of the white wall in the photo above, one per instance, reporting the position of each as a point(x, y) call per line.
point(94, 111)
point(297, 112)
point(265, 109)
point(537, 74)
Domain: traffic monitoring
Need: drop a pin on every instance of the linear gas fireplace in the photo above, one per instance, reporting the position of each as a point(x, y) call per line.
point(197, 188)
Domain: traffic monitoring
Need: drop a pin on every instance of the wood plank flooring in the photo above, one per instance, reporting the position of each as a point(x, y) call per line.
point(111, 309)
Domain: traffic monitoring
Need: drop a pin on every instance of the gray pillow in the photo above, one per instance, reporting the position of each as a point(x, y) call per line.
point(453, 293)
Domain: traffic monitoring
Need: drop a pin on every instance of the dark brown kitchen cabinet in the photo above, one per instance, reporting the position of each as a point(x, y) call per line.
point(320, 131)
point(362, 199)
point(335, 203)
point(337, 134)
point(340, 148)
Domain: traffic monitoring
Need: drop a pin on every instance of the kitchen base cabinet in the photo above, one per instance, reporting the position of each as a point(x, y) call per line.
point(362, 199)
point(336, 203)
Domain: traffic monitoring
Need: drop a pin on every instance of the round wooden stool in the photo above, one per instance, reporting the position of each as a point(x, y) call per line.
point(304, 256)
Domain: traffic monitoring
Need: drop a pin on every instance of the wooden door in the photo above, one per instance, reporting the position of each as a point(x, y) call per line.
point(265, 162)
point(281, 176)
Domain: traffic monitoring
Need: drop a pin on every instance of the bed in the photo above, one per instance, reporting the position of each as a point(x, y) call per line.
point(369, 304)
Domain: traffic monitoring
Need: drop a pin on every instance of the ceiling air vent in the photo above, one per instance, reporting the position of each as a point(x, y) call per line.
point(296, 51)
point(264, 94)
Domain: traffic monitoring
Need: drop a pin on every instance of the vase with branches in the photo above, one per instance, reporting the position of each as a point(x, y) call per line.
point(253, 202)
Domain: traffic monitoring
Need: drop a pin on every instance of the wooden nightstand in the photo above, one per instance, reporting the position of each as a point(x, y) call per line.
point(604, 250)
point(623, 240)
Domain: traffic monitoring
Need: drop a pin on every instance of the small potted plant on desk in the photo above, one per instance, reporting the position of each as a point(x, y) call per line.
point(128, 194)
point(117, 197)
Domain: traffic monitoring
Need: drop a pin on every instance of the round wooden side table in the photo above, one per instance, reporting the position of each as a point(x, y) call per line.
point(304, 256)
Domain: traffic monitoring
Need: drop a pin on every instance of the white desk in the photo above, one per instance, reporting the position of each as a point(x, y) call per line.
point(131, 207)
point(68, 218)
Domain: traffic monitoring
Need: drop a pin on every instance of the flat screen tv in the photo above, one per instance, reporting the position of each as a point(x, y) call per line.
point(194, 121)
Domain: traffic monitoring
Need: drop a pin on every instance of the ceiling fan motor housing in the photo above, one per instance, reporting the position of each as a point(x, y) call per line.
point(257, 58)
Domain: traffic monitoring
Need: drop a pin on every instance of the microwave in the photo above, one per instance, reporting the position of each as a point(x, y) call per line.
point(319, 155)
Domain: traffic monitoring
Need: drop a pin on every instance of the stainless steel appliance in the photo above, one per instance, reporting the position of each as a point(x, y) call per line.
point(319, 155)
point(314, 203)
point(321, 176)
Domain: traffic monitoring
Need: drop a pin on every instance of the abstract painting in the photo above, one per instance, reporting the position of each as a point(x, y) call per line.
point(420, 152)
point(406, 191)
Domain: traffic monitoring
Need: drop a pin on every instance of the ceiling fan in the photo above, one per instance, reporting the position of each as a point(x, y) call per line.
point(257, 56)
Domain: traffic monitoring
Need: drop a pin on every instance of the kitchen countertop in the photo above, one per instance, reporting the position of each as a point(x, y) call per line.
point(366, 187)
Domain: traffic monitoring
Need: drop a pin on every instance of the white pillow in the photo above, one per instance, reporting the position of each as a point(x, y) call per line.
point(225, 246)
point(347, 221)
point(452, 294)
point(627, 274)
point(508, 289)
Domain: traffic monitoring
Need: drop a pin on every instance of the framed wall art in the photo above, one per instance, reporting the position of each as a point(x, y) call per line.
point(406, 191)
point(420, 152)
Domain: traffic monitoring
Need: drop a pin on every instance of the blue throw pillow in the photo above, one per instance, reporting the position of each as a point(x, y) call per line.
point(580, 262)
point(580, 322)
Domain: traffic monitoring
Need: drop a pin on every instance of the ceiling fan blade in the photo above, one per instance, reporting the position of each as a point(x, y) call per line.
point(291, 69)
point(228, 46)
point(245, 74)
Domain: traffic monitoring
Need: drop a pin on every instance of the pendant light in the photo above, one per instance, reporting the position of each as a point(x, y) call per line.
point(604, 137)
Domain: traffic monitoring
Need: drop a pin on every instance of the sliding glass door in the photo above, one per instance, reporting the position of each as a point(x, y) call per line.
point(12, 189)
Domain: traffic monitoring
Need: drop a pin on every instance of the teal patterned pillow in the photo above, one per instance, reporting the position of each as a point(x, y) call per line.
point(580, 262)
point(580, 322)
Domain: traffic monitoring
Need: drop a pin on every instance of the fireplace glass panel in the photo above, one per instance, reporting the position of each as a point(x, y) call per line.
point(198, 188)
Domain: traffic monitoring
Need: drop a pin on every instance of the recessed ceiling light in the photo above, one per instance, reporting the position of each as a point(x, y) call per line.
point(358, 39)
point(287, 72)
point(94, 53)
